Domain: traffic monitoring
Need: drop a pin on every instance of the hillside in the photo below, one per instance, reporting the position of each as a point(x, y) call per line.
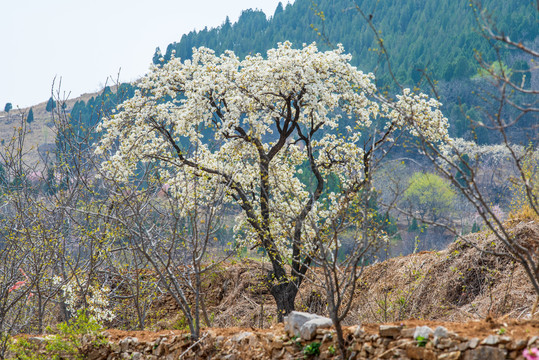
point(41, 133)
point(451, 27)
point(437, 34)
point(440, 38)
point(474, 286)
point(483, 303)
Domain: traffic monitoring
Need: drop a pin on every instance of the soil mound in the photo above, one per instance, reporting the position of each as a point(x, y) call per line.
point(457, 284)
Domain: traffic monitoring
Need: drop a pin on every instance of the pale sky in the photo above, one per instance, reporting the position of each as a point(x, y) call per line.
point(84, 42)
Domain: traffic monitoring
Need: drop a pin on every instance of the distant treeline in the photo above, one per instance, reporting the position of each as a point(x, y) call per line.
point(439, 36)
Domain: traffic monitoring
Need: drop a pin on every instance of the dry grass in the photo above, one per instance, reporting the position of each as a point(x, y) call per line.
point(457, 284)
point(41, 130)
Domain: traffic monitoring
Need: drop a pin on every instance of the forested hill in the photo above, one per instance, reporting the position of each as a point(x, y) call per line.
point(435, 33)
point(439, 35)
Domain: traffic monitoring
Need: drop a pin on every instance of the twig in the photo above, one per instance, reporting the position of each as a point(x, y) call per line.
point(393, 348)
point(192, 346)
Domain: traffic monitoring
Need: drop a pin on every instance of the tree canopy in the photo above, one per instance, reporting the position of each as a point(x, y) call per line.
point(30, 116)
point(249, 125)
point(51, 105)
point(430, 195)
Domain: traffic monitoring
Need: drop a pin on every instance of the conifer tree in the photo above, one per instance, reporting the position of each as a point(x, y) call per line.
point(30, 117)
point(51, 104)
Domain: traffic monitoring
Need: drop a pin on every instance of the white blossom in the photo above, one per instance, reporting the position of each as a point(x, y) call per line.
point(212, 117)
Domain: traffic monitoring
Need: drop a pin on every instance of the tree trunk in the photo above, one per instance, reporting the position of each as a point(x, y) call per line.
point(284, 295)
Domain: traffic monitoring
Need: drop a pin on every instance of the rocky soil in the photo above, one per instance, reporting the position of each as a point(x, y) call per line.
point(474, 340)
point(463, 303)
point(457, 284)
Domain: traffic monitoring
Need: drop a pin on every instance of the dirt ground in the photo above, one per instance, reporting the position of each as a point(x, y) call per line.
point(466, 291)
point(473, 328)
point(458, 284)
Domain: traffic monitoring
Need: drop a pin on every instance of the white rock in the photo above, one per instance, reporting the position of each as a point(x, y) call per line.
point(295, 320)
point(245, 335)
point(308, 330)
point(423, 331)
point(440, 332)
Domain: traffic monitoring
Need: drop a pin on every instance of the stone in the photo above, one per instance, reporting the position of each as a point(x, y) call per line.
point(485, 352)
point(295, 320)
point(453, 335)
point(514, 354)
point(505, 339)
point(472, 344)
point(136, 356)
point(463, 346)
point(445, 343)
point(392, 331)
point(533, 340)
point(408, 332)
point(368, 348)
point(160, 350)
point(327, 337)
point(98, 354)
point(308, 329)
point(357, 346)
point(321, 331)
point(397, 354)
point(115, 347)
point(244, 336)
point(127, 343)
point(517, 344)
point(422, 331)
point(419, 353)
point(358, 331)
point(453, 355)
point(441, 332)
point(492, 340)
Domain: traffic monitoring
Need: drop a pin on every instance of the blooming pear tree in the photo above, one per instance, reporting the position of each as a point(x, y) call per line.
point(257, 128)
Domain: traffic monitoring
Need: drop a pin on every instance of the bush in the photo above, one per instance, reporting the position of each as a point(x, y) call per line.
point(72, 339)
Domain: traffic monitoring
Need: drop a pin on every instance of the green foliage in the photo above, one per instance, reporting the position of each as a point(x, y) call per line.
point(332, 349)
point(8, 107)
point(313, 349)
point(414, 34)
point(409, 30)
point(421, 341)
point(413, 226)
point(430, 195)
point(496, 69)
point(476, 228)
point(51, 105)
point(30, 116)
point(71, 340)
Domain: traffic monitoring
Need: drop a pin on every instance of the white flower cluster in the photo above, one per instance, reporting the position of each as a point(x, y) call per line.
point(96, 300)
point(492, 154)
point(421, 116)
point(217, 118)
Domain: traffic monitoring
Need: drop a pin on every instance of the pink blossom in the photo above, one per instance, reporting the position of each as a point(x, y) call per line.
point(531, 354)
point(18, 284)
